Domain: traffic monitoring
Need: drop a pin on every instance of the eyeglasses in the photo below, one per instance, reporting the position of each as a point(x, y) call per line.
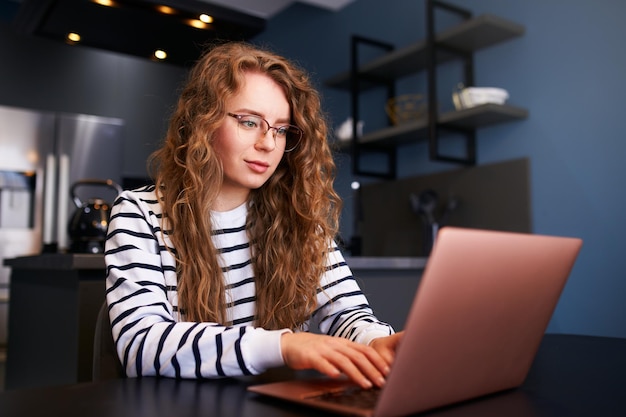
point(252, 127)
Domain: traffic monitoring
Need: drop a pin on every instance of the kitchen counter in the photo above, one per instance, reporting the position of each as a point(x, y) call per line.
point(56, 261)
point(96, 261)
point(386, 263)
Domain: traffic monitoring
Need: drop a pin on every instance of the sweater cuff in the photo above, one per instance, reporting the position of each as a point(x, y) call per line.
point(264, 352)
point(366, 337)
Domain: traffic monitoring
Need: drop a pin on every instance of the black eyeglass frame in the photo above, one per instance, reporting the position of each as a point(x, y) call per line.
point(270, 127)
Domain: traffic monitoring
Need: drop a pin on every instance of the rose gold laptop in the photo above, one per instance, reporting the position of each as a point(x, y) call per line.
point(478, 317)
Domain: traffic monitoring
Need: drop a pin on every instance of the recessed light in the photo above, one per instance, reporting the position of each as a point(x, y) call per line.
point(73, 37)
point(160, 54)
point(109, 3)
point(205, 18)
point(166, 9)
point(198, 24)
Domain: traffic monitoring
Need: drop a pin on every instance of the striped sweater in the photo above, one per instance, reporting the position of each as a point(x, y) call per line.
point(153, 338)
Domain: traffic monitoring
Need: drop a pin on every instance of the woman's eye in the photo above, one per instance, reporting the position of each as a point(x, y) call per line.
point(281, 131)
point(250, 124)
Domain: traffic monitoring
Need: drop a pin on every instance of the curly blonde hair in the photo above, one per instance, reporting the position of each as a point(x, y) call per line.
point(292, 218)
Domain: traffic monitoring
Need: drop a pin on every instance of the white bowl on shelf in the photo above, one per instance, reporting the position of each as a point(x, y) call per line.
point(475, 96)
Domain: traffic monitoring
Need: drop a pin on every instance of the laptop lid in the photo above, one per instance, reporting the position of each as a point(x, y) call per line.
point(478, 317)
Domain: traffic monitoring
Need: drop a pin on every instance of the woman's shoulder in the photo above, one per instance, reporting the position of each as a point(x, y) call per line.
point(144, 196)
point(144, 193)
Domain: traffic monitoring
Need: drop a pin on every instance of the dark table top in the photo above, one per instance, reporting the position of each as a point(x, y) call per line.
point(571, 376)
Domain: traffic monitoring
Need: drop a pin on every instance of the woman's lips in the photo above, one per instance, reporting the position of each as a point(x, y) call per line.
point(258, 166)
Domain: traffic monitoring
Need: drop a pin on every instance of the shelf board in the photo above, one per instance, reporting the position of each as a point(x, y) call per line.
point(409, 132)
point(474, 34)
point(479, 33)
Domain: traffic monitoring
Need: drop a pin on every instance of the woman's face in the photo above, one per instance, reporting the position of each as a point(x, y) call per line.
point(250, 159)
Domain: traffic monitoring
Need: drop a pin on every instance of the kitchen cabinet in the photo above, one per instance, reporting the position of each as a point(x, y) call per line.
point(55, 299)
point(457, 43)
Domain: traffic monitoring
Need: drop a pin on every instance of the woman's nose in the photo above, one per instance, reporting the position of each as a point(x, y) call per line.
point(267, 140)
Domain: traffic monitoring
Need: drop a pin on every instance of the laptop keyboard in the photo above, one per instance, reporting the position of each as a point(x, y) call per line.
point(351, 396)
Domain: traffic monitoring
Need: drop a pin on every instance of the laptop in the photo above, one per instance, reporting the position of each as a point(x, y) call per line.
point(478, 317)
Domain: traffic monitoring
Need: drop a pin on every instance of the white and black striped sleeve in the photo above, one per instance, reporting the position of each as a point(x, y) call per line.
point(150, 334)
point(343, 309)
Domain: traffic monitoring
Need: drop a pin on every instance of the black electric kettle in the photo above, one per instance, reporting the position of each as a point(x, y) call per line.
point(89, 223)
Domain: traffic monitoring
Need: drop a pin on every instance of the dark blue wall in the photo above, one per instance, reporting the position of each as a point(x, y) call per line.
point(568, 71)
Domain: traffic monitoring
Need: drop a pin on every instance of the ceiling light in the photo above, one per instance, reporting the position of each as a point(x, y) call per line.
point(166, 9)
point(205, 18)
point(160, 54)
point(197, 24)
point(73, 37)
point(109, 3)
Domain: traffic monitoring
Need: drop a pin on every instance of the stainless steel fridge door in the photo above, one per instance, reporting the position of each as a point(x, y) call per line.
point(26, 137)
point(88, 147)
point(56, 150)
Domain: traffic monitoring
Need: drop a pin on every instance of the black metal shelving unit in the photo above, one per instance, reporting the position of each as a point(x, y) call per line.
point(457, 43)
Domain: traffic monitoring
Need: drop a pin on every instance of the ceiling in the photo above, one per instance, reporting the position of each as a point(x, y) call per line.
point(268, 8)
point(139, 27)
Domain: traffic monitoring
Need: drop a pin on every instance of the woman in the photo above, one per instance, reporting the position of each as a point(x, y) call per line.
point(223, 266)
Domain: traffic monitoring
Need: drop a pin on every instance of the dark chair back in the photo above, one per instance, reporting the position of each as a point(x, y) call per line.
point(106, 364)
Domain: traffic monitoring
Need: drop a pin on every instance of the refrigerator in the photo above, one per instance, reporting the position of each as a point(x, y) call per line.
point(41, 155)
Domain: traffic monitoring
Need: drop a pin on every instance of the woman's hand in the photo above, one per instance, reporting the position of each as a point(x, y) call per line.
point(387, 346)
point(334, 356)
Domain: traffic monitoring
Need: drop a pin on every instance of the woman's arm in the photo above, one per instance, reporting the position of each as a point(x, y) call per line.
point(150, 336)
point(343, 309)
point(355, 343)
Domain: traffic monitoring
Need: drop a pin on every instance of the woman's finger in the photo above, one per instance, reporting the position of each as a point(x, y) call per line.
point(361, 364)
